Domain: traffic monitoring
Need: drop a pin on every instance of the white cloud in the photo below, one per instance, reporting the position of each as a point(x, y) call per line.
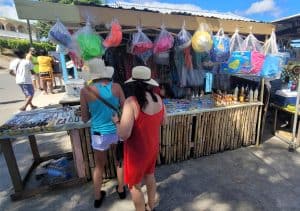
point(263, 6)
point(8, 12)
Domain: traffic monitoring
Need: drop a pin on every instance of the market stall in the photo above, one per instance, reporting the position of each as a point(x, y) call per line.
point(191, 57)
point(42, 121)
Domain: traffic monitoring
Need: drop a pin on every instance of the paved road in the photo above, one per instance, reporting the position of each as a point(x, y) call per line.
point(11, 97)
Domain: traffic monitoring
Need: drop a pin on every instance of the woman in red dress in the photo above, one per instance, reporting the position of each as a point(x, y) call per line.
point(143, 113)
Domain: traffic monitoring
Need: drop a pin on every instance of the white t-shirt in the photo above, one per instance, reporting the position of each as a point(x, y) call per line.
point(22, 68)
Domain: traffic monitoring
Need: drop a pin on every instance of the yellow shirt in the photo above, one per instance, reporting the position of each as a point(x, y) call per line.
point(45, 64)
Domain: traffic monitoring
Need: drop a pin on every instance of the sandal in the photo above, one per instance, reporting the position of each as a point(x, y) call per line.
point(98, 202)
point(34, 107)
point(146, 208)
point(122, 195)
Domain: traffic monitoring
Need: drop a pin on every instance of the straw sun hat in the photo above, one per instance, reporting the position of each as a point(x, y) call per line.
point(97, 69)
point(142, 73)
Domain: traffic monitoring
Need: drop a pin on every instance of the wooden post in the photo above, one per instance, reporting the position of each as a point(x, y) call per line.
point(29, 32)
point(12, 165)
point(34, 148)
point(77, 153)
point(260, 111)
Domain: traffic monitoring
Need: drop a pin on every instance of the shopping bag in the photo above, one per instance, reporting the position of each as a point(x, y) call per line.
point(221, 47)
point(115, 35)
point(164, 41)
point(202, 39)
point(59, 34)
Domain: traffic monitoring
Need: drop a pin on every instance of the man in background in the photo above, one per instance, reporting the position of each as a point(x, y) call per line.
point(21, 68)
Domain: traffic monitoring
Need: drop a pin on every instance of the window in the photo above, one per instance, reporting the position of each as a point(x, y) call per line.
point(12, 28)
point(21, 29)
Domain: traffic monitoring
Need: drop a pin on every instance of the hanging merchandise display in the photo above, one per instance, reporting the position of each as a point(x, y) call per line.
point(208, 82)
point(239, 62)
point(183, 39)
point(141, 45)
point(271, 67)
point(236, 42)
point(164, 42)
point(202, 39)
point(221, 47)
point(115, 35)
point(251, 43)
point(60, 35)
point(88, 42)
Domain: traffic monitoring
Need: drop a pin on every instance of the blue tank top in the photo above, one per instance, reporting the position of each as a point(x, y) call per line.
point(101, 114)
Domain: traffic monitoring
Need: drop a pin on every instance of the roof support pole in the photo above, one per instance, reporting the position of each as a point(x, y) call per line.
point(29, 32)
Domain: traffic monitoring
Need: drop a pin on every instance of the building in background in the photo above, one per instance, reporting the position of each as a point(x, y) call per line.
point(10, 28)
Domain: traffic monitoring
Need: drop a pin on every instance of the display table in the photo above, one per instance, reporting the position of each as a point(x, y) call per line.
point(69, 100)
point(283, 135)
point(40, 121)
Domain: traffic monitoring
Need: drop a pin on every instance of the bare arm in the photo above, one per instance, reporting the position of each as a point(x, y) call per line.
point(85, 115)
point(125, 126)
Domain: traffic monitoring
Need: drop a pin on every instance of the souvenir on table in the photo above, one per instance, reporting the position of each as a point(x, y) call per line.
point(88, 42)
point(202, 39)
point(60, 35)
point(40, 120)
point(115, 35)
point(221, 43)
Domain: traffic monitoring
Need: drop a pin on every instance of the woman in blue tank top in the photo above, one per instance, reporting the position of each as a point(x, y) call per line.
point(103, 130)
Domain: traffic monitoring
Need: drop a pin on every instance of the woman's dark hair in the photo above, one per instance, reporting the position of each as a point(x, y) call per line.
point(19, 53)
point(43, 52)
point(139, 91)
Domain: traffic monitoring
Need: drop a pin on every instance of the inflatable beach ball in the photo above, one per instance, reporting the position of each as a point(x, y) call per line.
point(202, 41)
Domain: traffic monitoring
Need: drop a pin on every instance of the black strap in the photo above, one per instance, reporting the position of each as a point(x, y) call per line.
point(103, 101)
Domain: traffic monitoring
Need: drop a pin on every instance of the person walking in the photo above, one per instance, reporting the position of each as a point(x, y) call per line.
point(21, 68)
point(143, 113)
point(103, 131)
point(46, 71)
point(31, 55)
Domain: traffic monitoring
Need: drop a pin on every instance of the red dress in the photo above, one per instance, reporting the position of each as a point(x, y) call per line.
point(141, 148)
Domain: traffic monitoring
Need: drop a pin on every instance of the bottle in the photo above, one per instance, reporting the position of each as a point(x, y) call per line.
point(251, 95)
point(236, 94)
point(242, 95)
point(255, 95)
point(247, 94)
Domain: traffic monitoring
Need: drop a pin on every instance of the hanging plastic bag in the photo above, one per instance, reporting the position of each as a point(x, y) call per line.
point(221, 44)
point(140, 43)
point(115, 35)
point(270, 46)
point(236, 42)
point(239, 62)
point(60, 35)
point(202, 39)
point(252, 44)
point(183, 39)
point(257, 61)
point(89, 43)
point(163, 42)
point(272, 64)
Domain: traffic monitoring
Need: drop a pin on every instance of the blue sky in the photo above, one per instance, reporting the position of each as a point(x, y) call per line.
point(262, 10)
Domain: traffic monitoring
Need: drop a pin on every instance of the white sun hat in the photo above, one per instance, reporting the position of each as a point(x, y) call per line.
point(97, 69)
point(142, 73)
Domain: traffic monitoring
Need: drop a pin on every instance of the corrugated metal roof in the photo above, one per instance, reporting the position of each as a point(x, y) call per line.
point(286, 18)
point(165, 9)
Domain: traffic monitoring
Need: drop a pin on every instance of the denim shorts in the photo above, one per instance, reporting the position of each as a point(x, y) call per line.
point(27, 89)
point(103, 142)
